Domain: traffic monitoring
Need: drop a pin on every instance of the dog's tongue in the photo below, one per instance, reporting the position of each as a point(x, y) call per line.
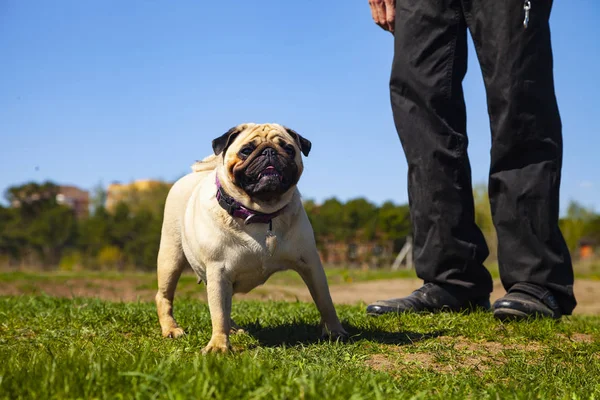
point(271, 170)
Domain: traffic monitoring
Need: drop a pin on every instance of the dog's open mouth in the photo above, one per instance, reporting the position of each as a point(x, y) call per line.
point(270, 173)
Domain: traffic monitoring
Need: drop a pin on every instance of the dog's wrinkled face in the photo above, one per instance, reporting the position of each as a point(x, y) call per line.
point(264, 160)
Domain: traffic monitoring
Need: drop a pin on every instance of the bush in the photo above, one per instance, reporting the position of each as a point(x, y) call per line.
point(72, 261)
point(110, 257)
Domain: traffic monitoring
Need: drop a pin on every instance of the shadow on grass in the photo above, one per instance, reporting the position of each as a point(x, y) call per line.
point(292, 334)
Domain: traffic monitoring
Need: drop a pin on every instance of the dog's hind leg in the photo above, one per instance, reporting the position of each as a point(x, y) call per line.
point(171, 262)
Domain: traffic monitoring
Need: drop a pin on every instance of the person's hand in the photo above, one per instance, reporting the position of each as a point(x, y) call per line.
point(384, 13)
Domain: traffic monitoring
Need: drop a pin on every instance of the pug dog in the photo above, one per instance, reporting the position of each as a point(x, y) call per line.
point(237, 219)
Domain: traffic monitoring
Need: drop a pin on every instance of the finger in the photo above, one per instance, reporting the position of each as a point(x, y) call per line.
point(380, 10)
point(373, 12)
point(390, 14)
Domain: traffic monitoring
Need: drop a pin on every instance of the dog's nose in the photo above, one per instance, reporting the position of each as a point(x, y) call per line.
point(269, 152)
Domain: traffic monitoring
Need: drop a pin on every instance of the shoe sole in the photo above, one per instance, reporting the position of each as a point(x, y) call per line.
point(369, 314)
point(467, 310)
point(423, 312)
point(510, 314)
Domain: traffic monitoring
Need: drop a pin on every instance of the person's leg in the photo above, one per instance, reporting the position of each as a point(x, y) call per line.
point(526, 157)
point(430, 62)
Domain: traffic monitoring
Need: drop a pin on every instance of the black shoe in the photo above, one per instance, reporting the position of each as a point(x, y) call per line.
point(428, 298)
point(525, 300)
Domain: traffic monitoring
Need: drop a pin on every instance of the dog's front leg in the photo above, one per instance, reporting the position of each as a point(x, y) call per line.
point(219, 292)
point(311, 271)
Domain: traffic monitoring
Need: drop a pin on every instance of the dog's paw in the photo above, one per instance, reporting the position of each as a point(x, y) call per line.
point(212, 348)
point(219, 344)
point(173, 332)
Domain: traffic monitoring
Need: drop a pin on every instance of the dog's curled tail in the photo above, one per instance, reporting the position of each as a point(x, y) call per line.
point(208, 164)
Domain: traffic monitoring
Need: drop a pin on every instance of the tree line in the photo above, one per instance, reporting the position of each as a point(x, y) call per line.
point(37, 231)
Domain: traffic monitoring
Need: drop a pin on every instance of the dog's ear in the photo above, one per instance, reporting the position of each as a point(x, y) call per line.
point(221, 143)
point(304, 144)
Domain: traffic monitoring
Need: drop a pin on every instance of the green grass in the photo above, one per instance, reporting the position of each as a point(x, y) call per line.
point(147, 280)
point(60, 276)
point(335, 275)
point(344, 275)
point(84, 348)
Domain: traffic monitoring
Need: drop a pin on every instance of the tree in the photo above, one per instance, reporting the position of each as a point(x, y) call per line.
point(393, 222)
point(39, 223)
point(98, 198)
point(142, 249)
point(318, 225)
point(483, 218)
point(51, 232)
point(591, 229)
point(95, 233)
point(10, 246)
point(32, 198)
point(578, 222)
point(121, 225)
point(359, 219)
point(330, 213)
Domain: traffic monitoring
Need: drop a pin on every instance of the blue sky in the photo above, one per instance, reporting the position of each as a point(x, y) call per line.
point(113, 90)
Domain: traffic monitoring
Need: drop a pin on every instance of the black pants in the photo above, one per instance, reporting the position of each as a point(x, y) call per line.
point(430, 62)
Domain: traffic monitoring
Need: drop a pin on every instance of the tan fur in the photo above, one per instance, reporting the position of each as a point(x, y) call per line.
point(208, 164)
point(228, 256)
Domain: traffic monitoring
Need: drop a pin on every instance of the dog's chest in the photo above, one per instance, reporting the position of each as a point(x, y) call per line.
point(247, 277)
point(251, 263)
point(243, 257)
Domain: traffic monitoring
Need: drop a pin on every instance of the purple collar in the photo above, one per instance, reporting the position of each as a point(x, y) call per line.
point(237, 210)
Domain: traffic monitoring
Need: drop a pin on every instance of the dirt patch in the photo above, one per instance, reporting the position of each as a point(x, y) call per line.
point(493, 348)
point(112, 290)
point(368, 292)
point(349, 293)
point(578, 338)
point(458, 354)
point(380, 362)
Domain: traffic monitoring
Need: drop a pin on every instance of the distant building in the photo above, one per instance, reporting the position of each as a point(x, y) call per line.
point(118, 192)
point(75, 198)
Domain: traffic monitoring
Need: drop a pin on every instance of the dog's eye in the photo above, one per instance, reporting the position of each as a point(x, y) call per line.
point(246, 151)
point(290, 150)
